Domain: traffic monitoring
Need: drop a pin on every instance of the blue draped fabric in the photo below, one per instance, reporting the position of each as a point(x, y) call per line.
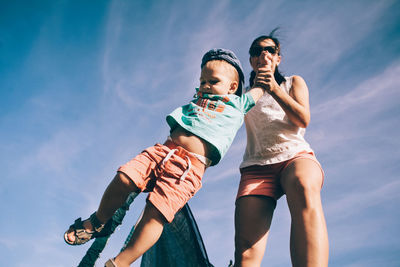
point(93, 253)
point(180, 244)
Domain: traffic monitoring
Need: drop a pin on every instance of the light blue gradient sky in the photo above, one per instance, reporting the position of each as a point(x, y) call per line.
point(85, 85)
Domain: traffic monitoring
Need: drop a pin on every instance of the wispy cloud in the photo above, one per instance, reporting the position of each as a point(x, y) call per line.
point(112, 35)
point(320, 40)
point(353, 115)
point(228, 173)
point(369, 97)
point(362, 201)
point(212, 214)
point(145, 59)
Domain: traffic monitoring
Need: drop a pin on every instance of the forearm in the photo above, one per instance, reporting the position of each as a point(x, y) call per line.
point(297, 113)
point(256, 92)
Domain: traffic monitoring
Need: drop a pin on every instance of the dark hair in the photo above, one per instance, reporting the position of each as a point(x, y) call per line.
point(277, 75)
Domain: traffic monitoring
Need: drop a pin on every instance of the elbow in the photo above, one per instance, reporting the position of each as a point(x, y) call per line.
point(300, 118)
point(300, 123)
point(303, 125)
point(303, 122)
point(304, 119)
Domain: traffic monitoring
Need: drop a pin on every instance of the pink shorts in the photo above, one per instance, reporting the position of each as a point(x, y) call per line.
point(264, 180)
point(170, 174)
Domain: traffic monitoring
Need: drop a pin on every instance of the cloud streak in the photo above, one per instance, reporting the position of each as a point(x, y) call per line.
point(370, 96)
point(93, 96)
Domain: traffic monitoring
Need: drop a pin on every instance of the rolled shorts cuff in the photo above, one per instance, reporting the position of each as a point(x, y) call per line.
point(264, 180)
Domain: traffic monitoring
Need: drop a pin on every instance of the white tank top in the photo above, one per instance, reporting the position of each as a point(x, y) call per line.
point(271, 136)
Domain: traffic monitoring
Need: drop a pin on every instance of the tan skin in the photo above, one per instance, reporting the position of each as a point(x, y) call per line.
point(301, 182)
point(217, 77)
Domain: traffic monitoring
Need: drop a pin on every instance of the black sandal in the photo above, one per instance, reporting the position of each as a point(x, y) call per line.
point(81, 234)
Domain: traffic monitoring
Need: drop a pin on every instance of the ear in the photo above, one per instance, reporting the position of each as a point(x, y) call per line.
point(278, 61)
point(233, 87)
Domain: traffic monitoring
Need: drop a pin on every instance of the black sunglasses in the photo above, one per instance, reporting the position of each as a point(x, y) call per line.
point(256, 51)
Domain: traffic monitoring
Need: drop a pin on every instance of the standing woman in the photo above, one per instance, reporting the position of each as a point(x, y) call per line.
point(279, 161)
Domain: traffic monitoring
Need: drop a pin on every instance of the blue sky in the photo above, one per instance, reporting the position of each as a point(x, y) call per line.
point(86, 85)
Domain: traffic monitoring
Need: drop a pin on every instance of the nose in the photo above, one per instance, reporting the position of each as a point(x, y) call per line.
point(265, 58)
point(267, 54)
point(205, 88)
point(206, 85)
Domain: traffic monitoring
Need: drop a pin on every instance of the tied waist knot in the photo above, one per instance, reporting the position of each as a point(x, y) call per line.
point(189, 162)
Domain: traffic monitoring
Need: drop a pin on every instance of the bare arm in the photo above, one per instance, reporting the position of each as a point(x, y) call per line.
point(296, 103)
point(260, 82)
point(256, 92)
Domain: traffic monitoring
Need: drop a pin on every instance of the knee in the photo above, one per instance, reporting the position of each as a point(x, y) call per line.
point(125, 182)
point(304, 192)
point(247, 251)
point(242, 243)
point(302, 178)
point(151, 213)
point(306, 185)
point(303, 181)
point(248, 257)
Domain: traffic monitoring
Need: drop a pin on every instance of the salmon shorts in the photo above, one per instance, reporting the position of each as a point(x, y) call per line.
point(171, 175)
point(264, 180)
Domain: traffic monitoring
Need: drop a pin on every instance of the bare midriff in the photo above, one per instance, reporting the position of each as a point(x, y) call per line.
point(189, 141)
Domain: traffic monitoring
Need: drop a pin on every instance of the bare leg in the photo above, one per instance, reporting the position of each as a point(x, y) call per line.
point(253, 216)
point(302, 181)
point(113, 198)
point(115, 195)
point(146, 234)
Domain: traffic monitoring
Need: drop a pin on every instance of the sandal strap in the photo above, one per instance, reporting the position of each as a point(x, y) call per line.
point(110, 263)
point(81, 235)
point(78, 223)
point(96, 224)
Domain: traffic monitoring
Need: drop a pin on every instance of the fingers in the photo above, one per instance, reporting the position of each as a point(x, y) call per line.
point(264, 77)
point(264, 72)
point(263, 80)
point(264, 67)
point(262, 84)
